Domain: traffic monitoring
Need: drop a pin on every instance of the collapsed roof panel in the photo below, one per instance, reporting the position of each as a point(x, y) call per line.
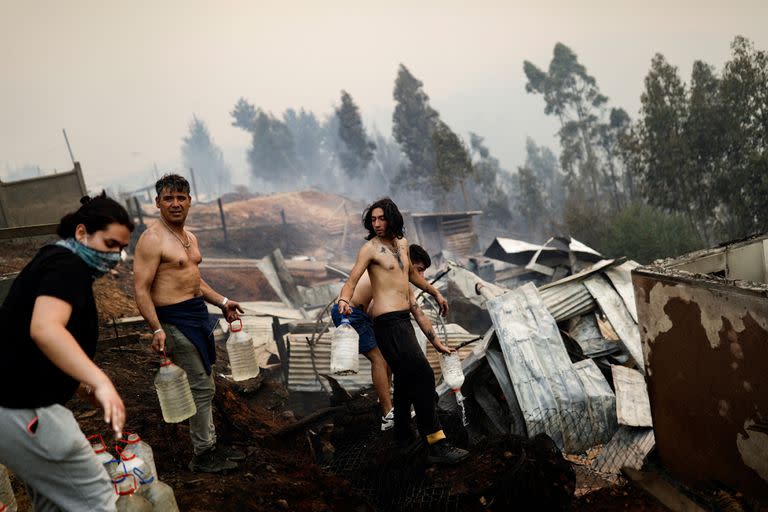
point(614, 308)
point(602, 401)
point(585, 331)
point(621, 279)
point(632, 405)
point(545, 383)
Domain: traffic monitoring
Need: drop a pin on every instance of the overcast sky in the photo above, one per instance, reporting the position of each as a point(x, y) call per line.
point(125, 78)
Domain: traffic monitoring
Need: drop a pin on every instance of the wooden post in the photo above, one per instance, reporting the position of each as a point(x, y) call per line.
point(223, 222)
point(138, 210)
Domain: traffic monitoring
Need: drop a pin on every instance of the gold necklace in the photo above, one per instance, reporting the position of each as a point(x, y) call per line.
point(184, 245)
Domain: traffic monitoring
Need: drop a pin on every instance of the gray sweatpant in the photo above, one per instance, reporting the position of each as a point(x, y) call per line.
point(185, 355)
point(54, 460)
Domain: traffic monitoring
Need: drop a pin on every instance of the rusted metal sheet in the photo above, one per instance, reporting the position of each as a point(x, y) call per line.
point(705, 340)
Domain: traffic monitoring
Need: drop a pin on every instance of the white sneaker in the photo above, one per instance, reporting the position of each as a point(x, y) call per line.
point(388, 420)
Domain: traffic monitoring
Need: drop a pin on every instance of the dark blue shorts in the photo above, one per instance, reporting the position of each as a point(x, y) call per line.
point(362, 324)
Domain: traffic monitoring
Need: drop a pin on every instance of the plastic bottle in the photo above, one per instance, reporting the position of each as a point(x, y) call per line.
point(173, 392)
point(450, 365)
point(128, 499)
point(134, 465)
point(344, 346)
point(156, 492)
point(242, 355)
point(112, 465)
point(132, 444)
point(7, 498)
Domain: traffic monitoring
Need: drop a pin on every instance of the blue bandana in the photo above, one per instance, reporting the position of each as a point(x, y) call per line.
point(100, 262)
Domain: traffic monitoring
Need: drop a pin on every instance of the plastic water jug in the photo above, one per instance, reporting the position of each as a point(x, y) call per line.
point(112, 465)
point(7, 498)
point(242, 355)
point(173, 392)
point(450, 365)
point(134, 465)
point(344, 346)
point(156, 492)
point(128, 499)
point(132, 444)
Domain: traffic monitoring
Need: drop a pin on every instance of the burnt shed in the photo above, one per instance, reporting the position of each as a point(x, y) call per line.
point(703, 321)
point(446, 231)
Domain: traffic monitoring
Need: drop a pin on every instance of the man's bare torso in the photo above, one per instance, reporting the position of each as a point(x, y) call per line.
point(389, 277)
point(178, 276)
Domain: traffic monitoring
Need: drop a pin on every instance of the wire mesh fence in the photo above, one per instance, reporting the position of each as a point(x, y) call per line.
point(537, 470)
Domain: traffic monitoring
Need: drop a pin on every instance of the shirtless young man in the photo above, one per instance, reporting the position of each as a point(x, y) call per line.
point(385, 257)
point(359, 319)
point(171, 296)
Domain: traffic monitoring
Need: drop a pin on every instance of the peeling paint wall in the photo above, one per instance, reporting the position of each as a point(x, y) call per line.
point(705, 342)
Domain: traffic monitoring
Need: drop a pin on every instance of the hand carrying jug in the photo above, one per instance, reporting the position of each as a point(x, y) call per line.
point(173, 392)
point(344, 346)
point(242, 355)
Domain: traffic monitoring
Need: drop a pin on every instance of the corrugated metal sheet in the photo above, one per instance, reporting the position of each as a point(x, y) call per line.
point(616, 311)
point(584, 330)
point(546, 384)
point(602, 401)
point(567, 301)
point(621, 279)
point(301, 372)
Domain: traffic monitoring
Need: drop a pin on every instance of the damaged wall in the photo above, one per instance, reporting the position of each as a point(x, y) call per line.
point(42, 200)
point(705, 342)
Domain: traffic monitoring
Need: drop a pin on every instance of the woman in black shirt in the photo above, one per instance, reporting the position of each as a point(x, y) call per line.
point(51, 328)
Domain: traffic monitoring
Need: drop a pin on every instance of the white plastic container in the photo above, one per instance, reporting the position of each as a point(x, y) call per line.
point(158, 493)
point(132, 444)
point(174, 393)
point(134, 465)
point(113, 466)
point(242, 355)
point(450, 365)
point(128, 498)
point(344, 347)
point(7, 498)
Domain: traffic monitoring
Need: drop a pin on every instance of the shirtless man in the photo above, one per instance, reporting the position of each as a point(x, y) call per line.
point(171, 296)
point(385, 257)
point(360, 303)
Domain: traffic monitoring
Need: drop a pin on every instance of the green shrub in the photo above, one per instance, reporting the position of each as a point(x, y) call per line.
point(644, 233)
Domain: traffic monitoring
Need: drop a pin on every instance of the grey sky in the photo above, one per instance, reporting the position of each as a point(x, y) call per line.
point(125, 78)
